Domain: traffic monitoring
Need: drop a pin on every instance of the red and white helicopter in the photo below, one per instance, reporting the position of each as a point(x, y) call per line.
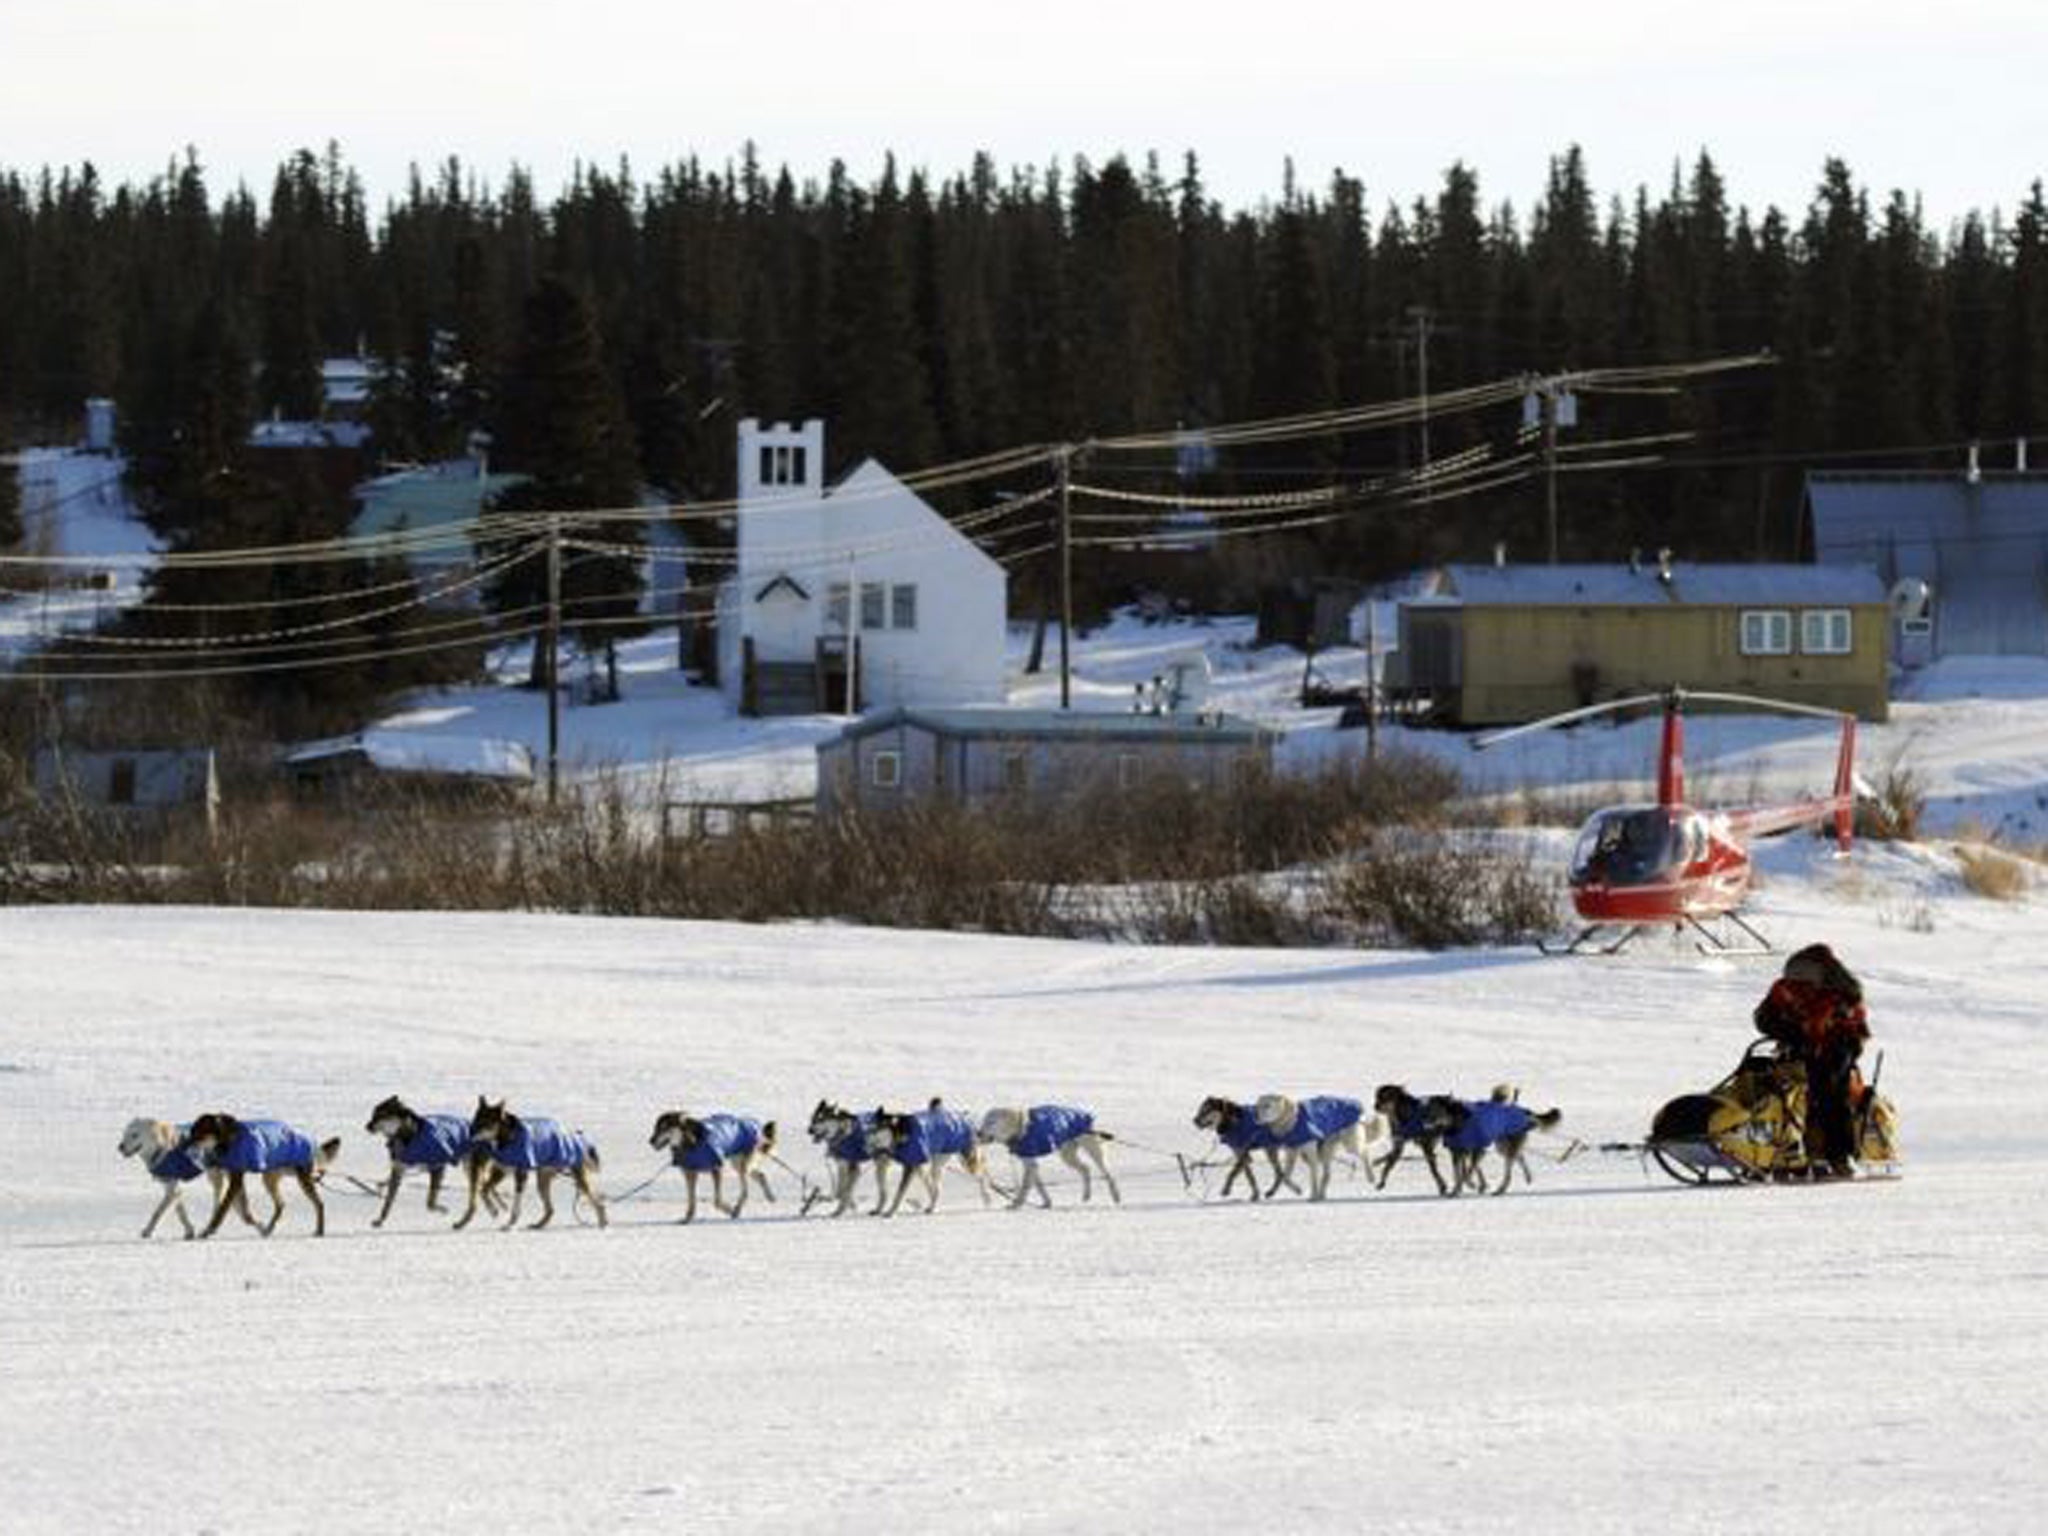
point(1637, 866)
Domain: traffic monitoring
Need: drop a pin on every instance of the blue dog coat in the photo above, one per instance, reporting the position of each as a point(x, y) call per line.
point(725, 1136)
point(439, 1141)
point(1243, 1133)
point(1049, 1127)
point(1487, 1123)
point(178, 1161)
point(853, 1146)
point(544, 1144)
point(1322, 1116)
point(933, 1133)
point(261, 1145)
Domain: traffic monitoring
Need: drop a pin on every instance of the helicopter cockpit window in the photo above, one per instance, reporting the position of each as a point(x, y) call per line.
point(1625, 847)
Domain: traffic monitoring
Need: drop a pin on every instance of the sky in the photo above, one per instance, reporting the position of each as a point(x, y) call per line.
point(1937, 100)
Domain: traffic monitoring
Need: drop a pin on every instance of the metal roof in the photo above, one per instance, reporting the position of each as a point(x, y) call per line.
point(1982, 546)
point(1622, 586)
point(968, 722)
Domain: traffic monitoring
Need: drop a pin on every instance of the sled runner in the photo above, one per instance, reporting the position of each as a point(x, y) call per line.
point(1751, 1127)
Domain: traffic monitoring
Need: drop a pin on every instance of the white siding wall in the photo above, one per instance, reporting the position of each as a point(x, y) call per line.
point(870, 530)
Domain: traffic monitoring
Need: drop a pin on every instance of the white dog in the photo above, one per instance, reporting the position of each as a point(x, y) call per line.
point(156, 1142)
point(1046, 1129)
point(1320, 1128)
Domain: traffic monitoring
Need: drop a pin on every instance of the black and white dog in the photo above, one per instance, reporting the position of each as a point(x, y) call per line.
point(160, 1146)
point(843, 1137)
point(922, 1144)
point(1050, 1130)
point(270, 1149)
point(538, 1147)
point(711, 1144)
point(1424, 1122)
point(436, 1143)
point(1501, 1123)
point(1318, 1129)
point(1238, 1128)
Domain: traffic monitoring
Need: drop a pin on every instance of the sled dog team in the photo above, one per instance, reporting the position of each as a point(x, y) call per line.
point(1293, 1134)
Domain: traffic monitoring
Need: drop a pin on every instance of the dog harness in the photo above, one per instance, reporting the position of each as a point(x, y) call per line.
point(853, 1146)
point(1049, 1127)
point(261, 1145)
point(1314, 1119)
point(441, 1140)
point(1487, 1123)
point(178, 1161)
point(544, 1144)
point(725, 1137)
point(933, 1133)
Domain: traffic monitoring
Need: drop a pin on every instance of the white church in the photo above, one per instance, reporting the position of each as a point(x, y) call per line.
point(852, 597)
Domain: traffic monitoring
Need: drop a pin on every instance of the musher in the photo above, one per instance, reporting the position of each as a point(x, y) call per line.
point(1814, 1011)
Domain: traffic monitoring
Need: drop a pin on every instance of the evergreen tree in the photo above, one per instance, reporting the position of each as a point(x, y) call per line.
point(563, 427)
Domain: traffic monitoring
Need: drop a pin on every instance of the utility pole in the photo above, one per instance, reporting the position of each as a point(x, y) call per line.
point(1066, 579)
point(853, 617)
point(1419, 313)
point(1550, 467)
point(552, 638)
point(1372, 684)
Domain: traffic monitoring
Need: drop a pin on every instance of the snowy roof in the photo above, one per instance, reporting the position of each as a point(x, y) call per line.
point(1618, 585)
point(416, 752)
point(428, 496)
point(308, 434)
point(1101, 725)
point(346, 380)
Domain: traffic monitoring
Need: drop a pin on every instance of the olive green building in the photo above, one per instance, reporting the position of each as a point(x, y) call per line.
point(1500, 644)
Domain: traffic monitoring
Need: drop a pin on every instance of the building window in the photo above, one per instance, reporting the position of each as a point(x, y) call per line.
point(1766, 632)
point(767, 465)
point(835, 605)
point(1016, 770)
point(903, 605)
point(886, 771)
point(121, 782)
point(1824, 632)
point(872, 613)
point(797, 457)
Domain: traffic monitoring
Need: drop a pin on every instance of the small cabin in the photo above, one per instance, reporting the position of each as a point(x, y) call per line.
point(985, 757)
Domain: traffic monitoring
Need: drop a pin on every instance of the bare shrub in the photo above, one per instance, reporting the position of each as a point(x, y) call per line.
point(1898, 807)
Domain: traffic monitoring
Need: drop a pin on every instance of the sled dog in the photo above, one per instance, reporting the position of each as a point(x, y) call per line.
point(538, 1147)
point(1500, 1122)
point(921, 1145)
point(1046, 1130)
point(157, 1143)
point(268, 1148)
point(436, 1143)
point(711, 1144)
point(1238, 1128)
point(1425, 1122)
point(1318, 1129)
point(843, 1137)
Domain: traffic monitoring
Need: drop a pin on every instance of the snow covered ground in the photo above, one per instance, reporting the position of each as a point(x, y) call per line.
point(1973, 732)
point(73, 503)
point(1607, 1352)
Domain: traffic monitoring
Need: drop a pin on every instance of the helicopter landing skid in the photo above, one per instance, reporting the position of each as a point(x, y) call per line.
point(1594, 938)
point(1588, 940)
point(1747, 942)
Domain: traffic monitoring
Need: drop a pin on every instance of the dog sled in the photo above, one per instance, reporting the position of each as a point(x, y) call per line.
point(1750, 1128)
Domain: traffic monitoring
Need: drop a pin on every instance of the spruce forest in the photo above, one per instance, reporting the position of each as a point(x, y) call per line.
point(610, 337)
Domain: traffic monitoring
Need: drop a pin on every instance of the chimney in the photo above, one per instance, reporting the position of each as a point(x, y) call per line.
point(1975, 472)
point(1664, 566)
point(1500, 552)
point(1635, 562)
point(2019, 455)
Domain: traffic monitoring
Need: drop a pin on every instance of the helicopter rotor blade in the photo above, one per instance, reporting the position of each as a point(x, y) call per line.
point(1494, 738)
point(1782, 706)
